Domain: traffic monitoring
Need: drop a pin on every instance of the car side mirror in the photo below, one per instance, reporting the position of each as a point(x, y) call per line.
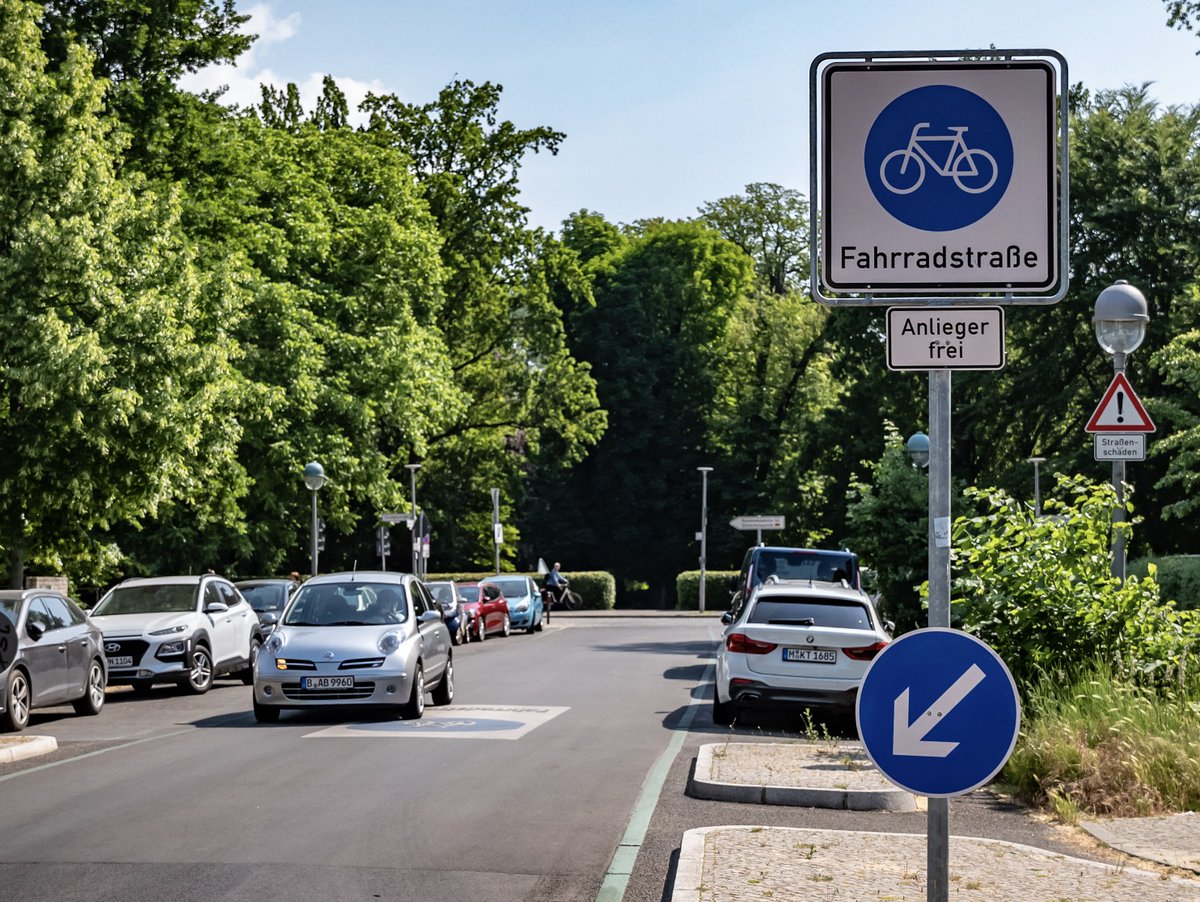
point(889, 626)
point(429, 616)
point(35, 631)
point(216, 607)
point(727, 618)
point(270, 619)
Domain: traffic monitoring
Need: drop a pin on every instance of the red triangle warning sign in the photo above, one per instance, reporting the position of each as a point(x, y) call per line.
point(1120, 410)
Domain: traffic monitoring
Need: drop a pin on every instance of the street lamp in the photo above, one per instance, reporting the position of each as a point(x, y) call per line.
point(1120, 323)
point(416, 537)
point(704, 471)
point(1037, 483)
point(918, 449)
point(314, 478)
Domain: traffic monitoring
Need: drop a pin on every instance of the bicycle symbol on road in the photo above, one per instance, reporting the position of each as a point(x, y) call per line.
point(972, 169)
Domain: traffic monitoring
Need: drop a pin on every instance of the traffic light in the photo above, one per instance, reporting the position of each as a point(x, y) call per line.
point(320, 535)
point(383, 542)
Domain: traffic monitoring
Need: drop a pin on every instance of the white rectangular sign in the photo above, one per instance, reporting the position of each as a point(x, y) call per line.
point(945, 338)
point(939, 176)
point(768, 521)
point(1113, 446)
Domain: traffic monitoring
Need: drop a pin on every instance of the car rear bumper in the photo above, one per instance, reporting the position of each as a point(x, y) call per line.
point(754, 693)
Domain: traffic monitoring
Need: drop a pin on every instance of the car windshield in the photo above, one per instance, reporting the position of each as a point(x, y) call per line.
point(167, 598)
point(470, 593)
point(783, 610)
point(513, 588)
point(820, 566)
point(347, 604)
point(11, 607)
point(270, 597)
point(443, 593)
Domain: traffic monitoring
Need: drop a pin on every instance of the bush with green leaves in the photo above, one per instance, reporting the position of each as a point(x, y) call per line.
point(716, 590)
point(1178, 577)
point(1039, 590)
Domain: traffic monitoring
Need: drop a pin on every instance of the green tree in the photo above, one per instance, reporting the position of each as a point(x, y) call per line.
point(109, 402)
point(770, 223)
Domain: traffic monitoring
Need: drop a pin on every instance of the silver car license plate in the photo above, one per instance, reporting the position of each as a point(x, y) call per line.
point(123, 661)
point(811, 655)
point(327, 682)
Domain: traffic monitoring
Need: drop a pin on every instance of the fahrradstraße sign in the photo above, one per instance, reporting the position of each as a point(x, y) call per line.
point(939, 177)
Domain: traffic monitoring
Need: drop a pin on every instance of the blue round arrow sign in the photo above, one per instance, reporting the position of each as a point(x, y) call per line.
point(938, 712)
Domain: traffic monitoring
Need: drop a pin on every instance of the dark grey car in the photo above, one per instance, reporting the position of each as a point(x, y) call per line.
point(50, 654)
point(268, 597)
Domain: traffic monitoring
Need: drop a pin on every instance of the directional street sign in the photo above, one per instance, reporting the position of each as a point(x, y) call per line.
point(938, 712)
point(762, 522)
point(392, 519)
point(1120, 410)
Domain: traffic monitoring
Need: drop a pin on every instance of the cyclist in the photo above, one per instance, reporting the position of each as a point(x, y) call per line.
point(556, 586)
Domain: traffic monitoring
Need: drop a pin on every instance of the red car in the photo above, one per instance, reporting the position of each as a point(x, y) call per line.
point(486, 607)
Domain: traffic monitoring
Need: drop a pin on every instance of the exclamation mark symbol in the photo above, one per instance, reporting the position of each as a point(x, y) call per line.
point(1120, 406)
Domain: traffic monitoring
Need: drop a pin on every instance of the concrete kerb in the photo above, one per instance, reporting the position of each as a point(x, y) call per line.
point(804, 774)
point(18, 748)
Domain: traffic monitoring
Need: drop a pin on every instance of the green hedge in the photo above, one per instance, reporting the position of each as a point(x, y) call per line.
point(1178, 578)
point(597, 588)
point(716, 590)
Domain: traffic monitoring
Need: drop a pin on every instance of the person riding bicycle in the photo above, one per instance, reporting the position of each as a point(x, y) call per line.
point(556, 582)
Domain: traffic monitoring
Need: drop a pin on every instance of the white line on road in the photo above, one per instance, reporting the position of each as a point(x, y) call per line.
point(112, 748)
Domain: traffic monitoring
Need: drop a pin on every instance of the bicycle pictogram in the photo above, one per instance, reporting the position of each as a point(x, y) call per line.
point(972, 169)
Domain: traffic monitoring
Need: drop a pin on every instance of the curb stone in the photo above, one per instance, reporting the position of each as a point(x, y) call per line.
point(840, 777)
point(17, 748)
point(1173, 839)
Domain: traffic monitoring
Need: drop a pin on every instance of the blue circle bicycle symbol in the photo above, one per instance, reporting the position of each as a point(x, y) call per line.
point(938, 158)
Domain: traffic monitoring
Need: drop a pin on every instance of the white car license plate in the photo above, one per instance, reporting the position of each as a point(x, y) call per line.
point(811, 655)
point(124, 661)
point(327, 682)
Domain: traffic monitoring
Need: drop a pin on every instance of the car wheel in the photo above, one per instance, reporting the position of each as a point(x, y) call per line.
point(93, 692)
point(416, 701)
point(265, 713)
point(507, 631)
point(723, 713)
point(17, 698)
point(481, 632)
point(199, 678)
point(444, 693)
point(537, 627)
point(248, 673)
point(141, 687)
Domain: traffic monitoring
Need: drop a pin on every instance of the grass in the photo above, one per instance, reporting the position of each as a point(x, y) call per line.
point(1100, 746)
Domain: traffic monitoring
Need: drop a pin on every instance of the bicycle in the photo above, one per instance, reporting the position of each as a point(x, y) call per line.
point(569, 600)
point(962, 162)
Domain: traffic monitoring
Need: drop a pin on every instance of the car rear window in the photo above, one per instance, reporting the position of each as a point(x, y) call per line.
point(783, 610)
point(265, 598)
point(821, 566)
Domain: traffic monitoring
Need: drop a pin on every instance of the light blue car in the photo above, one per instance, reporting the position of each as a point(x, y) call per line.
point(525, 608)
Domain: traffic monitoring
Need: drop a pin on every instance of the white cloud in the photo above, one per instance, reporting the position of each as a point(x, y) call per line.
point(242, 81)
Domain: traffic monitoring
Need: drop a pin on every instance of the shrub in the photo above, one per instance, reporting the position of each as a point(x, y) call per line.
point(1178, 578)
point(716, 589)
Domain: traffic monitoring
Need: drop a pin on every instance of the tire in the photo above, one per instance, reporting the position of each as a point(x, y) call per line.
point(456, 636)
point(255, 647)
point(17, 702)
point(415, 706)
point(200, 675)
point(265, 713)
point(723, 713)
point(538, 626)
point(93, 692)
point(571, 600)
point(507, 631)
point(481, 633)
point(444, 693)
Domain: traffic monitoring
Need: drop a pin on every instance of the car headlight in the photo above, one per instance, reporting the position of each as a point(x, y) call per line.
point(173, 648)
point(275, 641)
point(523, 606)
point(390, 641)
point(169, 630)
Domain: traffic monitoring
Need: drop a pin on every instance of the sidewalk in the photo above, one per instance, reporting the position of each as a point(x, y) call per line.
point(737, 863)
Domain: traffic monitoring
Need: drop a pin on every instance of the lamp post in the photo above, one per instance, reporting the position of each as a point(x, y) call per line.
point(704, 471)
point(416, 538)
point(1120, 323)
point(1037, 483)
point(917, 447)
point(314, 478)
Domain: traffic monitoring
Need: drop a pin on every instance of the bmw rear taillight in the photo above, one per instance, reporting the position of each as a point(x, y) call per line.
point(743, 643)
point(865, 652)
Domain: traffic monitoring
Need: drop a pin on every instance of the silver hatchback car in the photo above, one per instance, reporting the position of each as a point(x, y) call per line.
point(364, 638)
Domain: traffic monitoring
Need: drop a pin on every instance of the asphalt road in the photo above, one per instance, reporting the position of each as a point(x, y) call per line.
point(562, 750)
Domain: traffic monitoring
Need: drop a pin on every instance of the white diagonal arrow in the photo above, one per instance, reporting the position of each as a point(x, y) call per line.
point(909, 739)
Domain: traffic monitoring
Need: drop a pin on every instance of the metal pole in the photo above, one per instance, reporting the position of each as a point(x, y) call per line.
point(1037, 485)
point(314, 532)
point(704, 471)
point(938, 814)
point(382, 548)
point(412, 472)
point(495, 523)
point(1118, 484)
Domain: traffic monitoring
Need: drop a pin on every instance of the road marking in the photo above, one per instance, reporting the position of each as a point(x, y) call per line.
point(453, 722)
point(114, 748)
point(612, 889)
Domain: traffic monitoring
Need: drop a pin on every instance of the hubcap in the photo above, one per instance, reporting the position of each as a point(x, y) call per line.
point(96, 686)
point(200, 669)
point(20, 699)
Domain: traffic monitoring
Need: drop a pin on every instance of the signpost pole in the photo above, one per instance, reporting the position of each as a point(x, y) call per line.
point(1118, 483)
point(938, 814)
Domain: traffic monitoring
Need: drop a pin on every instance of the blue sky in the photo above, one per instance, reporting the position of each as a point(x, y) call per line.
point(668, 104)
